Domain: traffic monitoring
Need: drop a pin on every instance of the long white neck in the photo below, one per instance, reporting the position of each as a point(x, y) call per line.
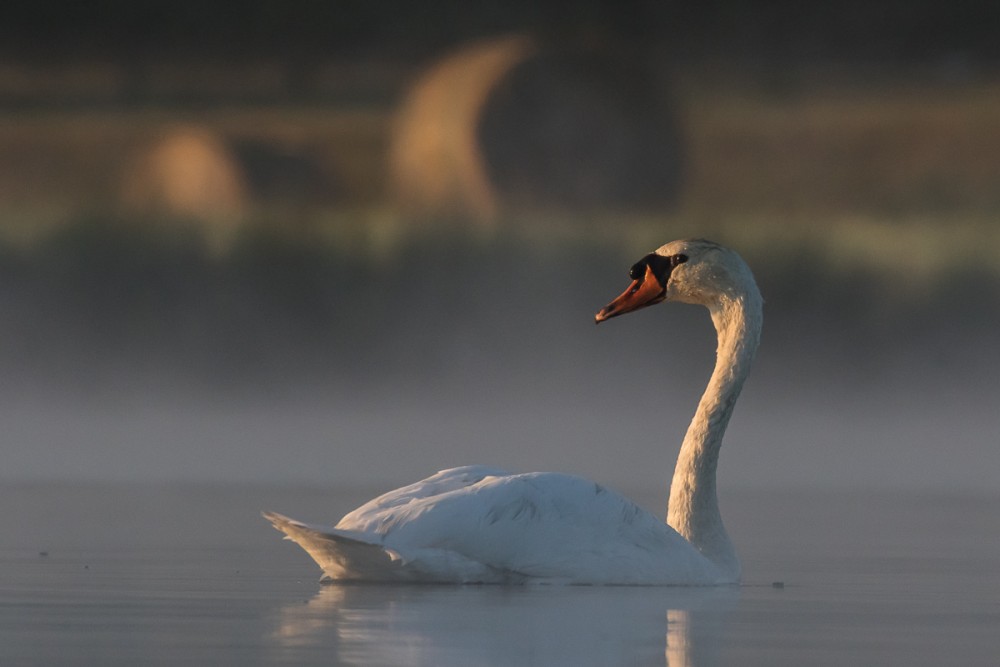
point(694, 506)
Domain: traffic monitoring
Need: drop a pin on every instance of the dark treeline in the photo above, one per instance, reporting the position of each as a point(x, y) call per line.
point(769, 32)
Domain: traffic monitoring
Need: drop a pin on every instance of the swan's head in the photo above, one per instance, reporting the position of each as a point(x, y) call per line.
point(689, 271)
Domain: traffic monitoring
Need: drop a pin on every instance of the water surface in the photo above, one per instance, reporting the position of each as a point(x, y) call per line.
point(125, 575)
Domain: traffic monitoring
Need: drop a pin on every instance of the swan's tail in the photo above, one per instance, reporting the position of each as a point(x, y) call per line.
point(342, 557)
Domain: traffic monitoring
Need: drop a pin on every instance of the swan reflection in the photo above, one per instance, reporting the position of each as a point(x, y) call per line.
point(478, 625)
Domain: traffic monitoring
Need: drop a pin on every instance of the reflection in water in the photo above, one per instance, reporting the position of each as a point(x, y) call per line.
point(545, 625)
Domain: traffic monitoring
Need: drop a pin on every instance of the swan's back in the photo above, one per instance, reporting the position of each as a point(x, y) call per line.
point(477, 524)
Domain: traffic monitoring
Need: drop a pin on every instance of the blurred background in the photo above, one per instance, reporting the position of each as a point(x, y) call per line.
point(356, 242)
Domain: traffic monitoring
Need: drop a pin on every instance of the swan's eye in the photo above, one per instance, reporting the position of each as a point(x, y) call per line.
point(638, 270)
point(677, 259)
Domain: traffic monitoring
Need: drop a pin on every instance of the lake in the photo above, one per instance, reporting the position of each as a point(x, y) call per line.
point(119, 574)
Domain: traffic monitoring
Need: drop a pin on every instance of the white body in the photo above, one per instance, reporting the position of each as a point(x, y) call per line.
point(480, 525)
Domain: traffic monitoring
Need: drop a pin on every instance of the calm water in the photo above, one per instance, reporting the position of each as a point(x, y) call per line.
point(109, 575)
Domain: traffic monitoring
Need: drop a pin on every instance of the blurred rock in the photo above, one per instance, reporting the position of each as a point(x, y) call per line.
point(436, 165)
point(188, 173)
point(508, 123)
point(581, 128)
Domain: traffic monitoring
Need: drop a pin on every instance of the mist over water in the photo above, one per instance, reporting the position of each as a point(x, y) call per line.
point(142, 357)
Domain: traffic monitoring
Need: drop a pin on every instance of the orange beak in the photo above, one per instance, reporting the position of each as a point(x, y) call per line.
point(641, 293)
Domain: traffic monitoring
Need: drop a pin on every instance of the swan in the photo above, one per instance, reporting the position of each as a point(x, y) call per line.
point(477, 524)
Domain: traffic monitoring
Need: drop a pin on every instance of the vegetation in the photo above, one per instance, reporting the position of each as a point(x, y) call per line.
point(866, 209)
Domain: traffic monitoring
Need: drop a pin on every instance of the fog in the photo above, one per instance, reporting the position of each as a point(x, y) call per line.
point(481, 352)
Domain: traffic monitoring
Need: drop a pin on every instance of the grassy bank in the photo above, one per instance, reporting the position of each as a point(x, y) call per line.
point(808, 154)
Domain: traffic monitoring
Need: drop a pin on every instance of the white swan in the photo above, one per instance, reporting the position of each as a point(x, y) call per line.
point(477, 524)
